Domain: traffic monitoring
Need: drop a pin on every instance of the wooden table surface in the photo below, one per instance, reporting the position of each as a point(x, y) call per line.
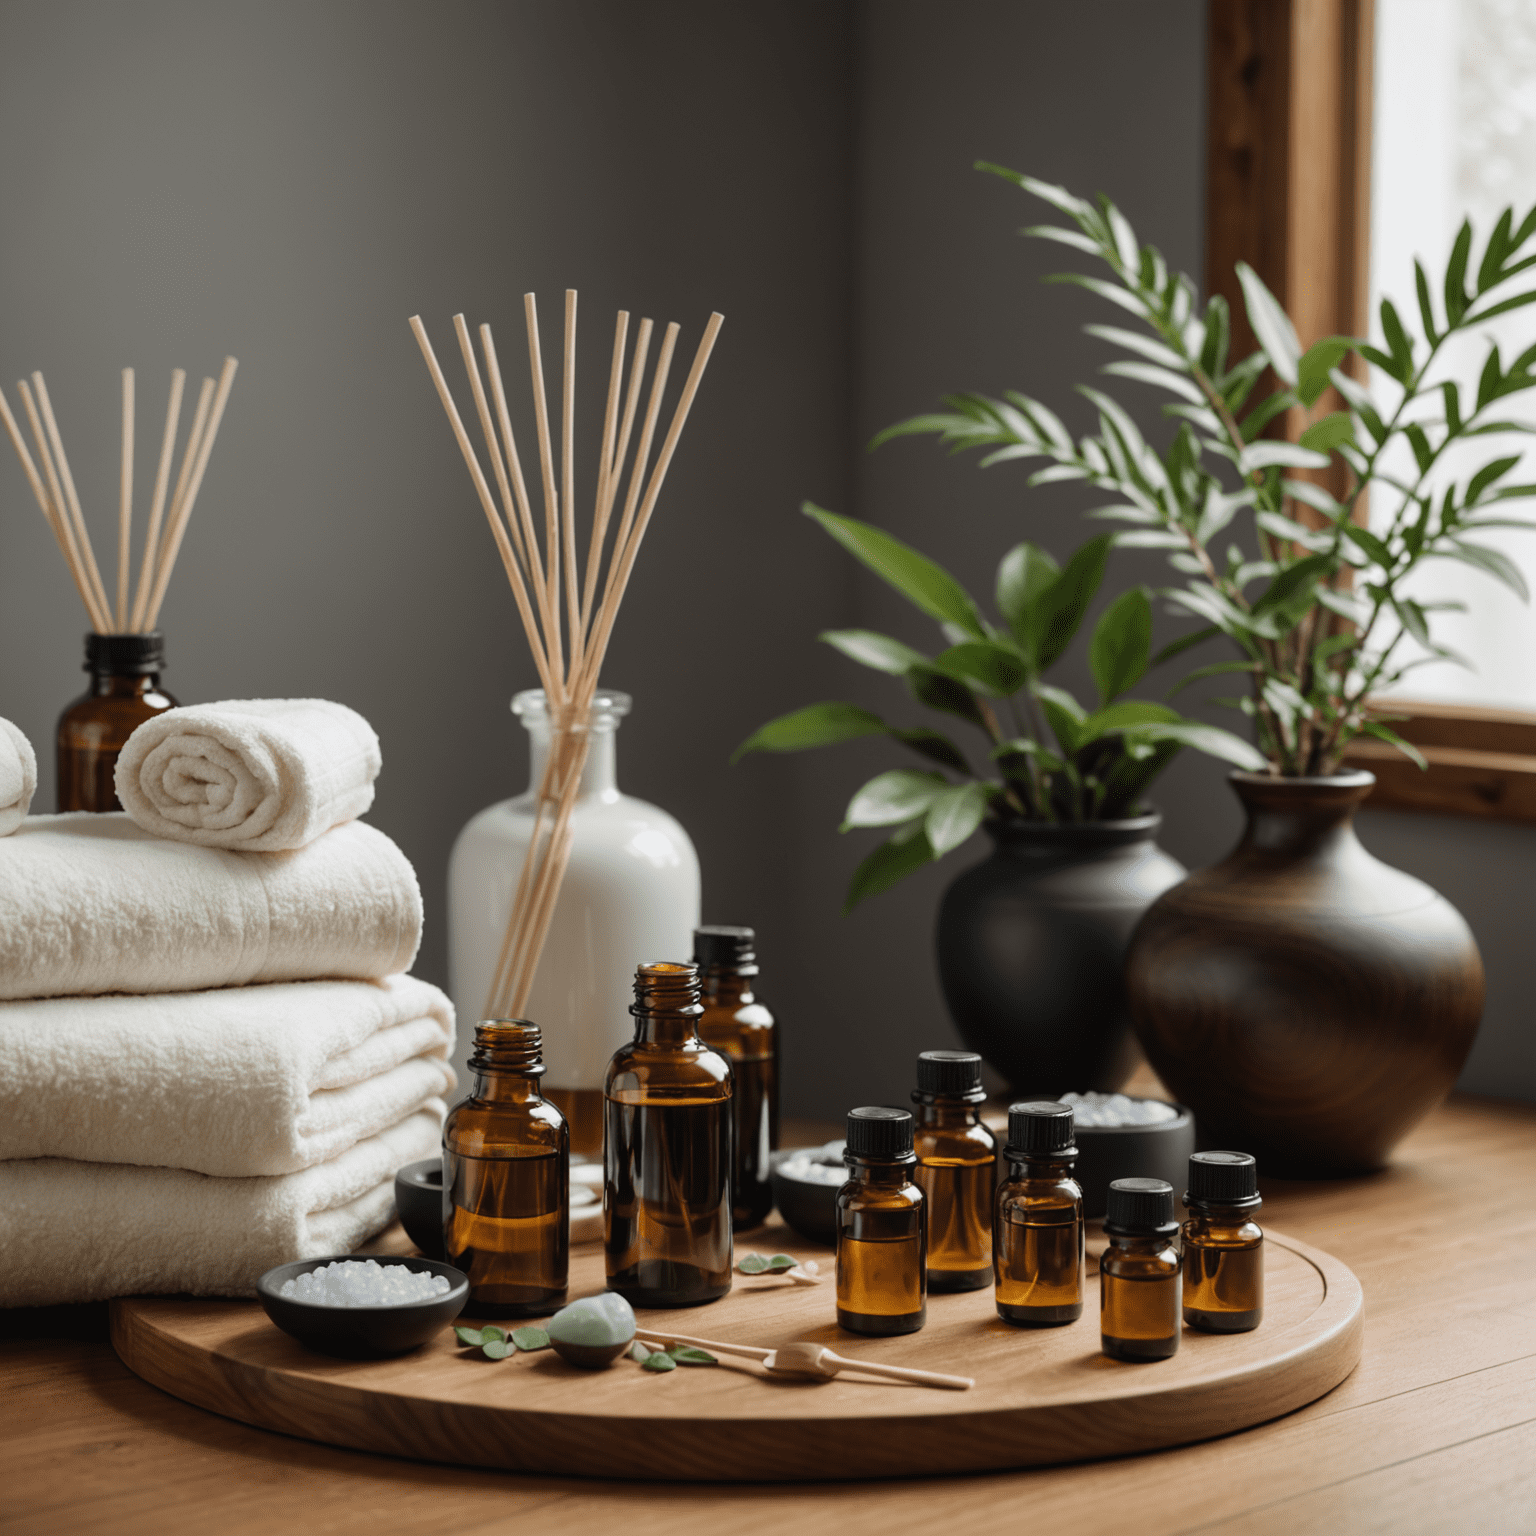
point(1434, 1433)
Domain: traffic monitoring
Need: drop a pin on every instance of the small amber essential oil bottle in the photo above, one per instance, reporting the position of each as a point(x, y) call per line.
point(882, 1267)
point(1038, 1231)
point(125, 692)
point(506, 1179)
point(739, 1026)
point(667, 1152)
point(956, 1169)
point(1223, 1245)
point(1139, 1272)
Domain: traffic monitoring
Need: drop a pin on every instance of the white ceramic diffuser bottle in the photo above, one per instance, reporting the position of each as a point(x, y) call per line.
point(630, 896)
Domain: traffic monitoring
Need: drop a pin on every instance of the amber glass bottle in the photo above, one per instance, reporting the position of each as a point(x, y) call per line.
point(956, 1169)
point(1223, 1245)
point(1139, 1272)
point(125, 692)
point(506, 1179)
point(882, 1268)
point(739, 1026)
point(668, 1151)
point(1038, 1231)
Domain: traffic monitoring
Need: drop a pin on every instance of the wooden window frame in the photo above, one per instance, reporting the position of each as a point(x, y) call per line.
point(1288, 175)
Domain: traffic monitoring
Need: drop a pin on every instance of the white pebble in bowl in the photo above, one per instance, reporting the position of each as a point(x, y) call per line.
point(1107, 1109)
point(363, 1283)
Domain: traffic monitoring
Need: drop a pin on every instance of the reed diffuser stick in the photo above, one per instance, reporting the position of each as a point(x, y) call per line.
point(568, 648)
point(147, 566)
point(125, 503)
point(71, 496)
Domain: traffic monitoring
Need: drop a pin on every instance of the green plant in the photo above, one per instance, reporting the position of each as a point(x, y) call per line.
point(1317, 603)
point(1048, 758)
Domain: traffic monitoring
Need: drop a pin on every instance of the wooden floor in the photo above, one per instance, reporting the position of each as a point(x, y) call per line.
point(1435, 1433)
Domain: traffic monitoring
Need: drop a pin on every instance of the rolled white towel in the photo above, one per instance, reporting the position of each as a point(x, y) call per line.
point(242, 1081)
point(75, 1232)
point(93, 903)
point(18, 777)
point(254, 774)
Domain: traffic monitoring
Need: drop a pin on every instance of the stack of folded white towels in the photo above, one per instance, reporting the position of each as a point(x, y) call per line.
point(211, 1060)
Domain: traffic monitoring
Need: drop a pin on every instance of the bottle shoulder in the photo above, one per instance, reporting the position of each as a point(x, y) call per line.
point(1145, 1263)
point(967, 1145)
point(741, 1033)
point(639, 1071)
point(1016, 1196)
point(605, 829)
point(1214, 1232)
point(484, 1128)
point(856, 1195)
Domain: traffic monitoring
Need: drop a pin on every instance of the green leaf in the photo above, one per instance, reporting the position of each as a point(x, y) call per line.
point(1426, 308)
point(1381, 733)
point(938, 690)
point(1397, 341)
point(497, 1349)
point(686, 1354)
point(925, 585)
point(470, 1338)
point(1126, 715)
point(1370, 543)
point(1216, 669)
point(1325, 434)
point(1455, 275)
point(1319, 360)
point(985, 664)
point(1021, 747)
point(530, 1339)
point(660, 1361)
point(1122, 644)
point(1024, 573)
point(1494, 561)
point(1218, 332)
point(1185, 642)
point(955, 813)
point(1487, 475)
point(782, 1261)
point(1064, 715)
point(490, 1335)
point(1293, 586)
point(639, 1352)
point(873, 650)
point(891, 862)
point(817, 725)
point(1270, 451)
point(1059, 609)
point(752, 1264)
point(891, 798)
point(935, 747)
point(1209, 739)
point(1271, 325)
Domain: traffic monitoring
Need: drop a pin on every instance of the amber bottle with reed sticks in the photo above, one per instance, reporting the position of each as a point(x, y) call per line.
point(668, 1151)
point(737, 1025)
point(125, 691)
point(1223, 1245)
point(956, 1169)
point(506, 1179)
point(1139, 1273)
point(1038, 1232)
point(882, 1269)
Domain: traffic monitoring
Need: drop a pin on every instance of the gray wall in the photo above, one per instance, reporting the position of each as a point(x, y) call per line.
point(289, 180)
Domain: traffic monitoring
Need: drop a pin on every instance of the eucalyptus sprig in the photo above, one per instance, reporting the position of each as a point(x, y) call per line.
point(1048, 758)
point(1316, 604)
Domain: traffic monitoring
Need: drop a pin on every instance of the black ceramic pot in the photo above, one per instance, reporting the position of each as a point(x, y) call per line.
point(1031, 943)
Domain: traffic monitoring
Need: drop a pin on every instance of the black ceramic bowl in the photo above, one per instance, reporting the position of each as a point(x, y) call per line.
point(363, 1331)
point(809, 1205)
point(1109, 1152)
point(419, 1199)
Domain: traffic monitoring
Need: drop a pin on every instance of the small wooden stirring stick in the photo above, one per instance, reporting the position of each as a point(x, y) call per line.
point(811, 1360)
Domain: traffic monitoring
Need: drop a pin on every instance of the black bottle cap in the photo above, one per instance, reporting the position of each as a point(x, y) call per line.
point(1042, 1128)
point(1140, 1208)
point(1223, 1178)
point(716, 944)
point(950, 1072)
point(125, 655)
point(879, 1131)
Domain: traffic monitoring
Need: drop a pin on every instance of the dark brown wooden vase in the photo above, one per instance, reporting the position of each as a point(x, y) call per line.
point(1307, 1001)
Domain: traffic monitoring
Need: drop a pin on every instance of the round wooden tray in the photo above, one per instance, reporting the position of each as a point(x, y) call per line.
point(1041, 1395)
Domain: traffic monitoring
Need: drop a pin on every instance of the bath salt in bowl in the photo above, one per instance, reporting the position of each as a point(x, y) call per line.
point(1120, 1137)
point(384, 1304)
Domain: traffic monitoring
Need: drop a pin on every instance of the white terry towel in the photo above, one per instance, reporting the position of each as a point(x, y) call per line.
point(256, 774)
point(74, 1232)
point(93, 903)
point(18, 777)
point(248, 1080)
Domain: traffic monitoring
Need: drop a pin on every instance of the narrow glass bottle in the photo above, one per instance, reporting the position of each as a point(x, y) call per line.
point(125, 692)
point(506, 1179)
point(668, 1152)
point(1038, 1232)
point(1223, 1245)
point(1139, 1272)
point(739, 1026)
point(956, 1169)
point(882, 1267)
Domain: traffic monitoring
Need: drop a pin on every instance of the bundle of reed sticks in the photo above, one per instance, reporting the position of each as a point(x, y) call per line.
point(55, 491)
point(567, 650)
